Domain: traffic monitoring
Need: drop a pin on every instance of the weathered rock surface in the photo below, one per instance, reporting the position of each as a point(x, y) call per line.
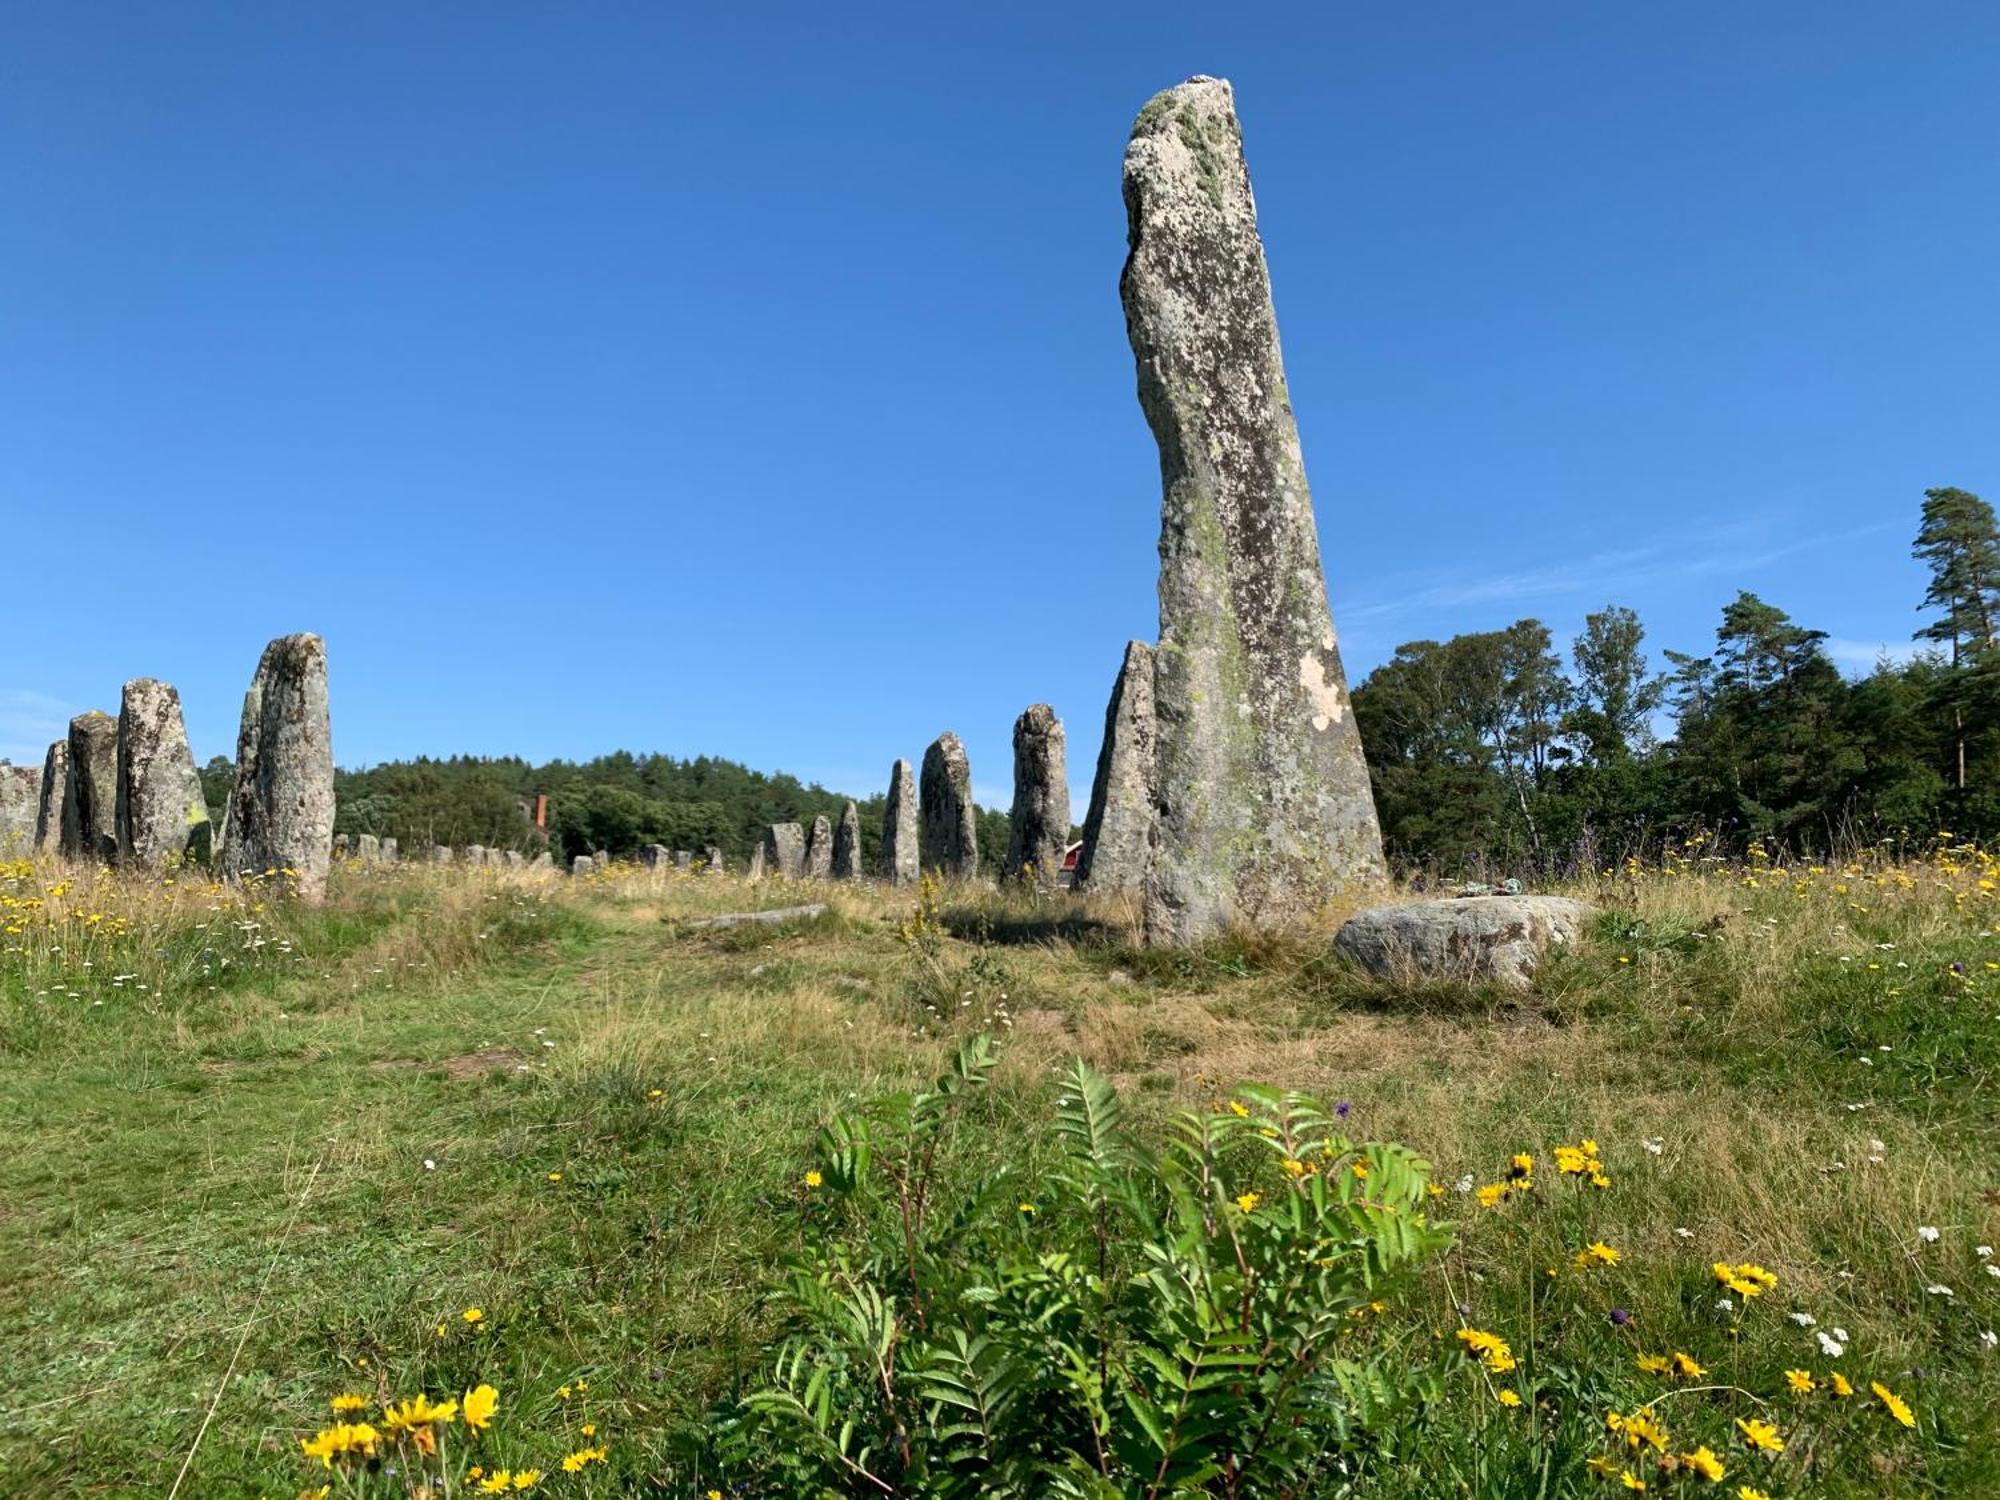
point(900, 839)
point(440, 854)
point(652, 856)
point(1265, 809)
point(391, 851)
point(280, 814)
point(543, 861)
point(161, 814)
point(475, 855)
point(582, 865)
point(775, 914)
point(93, 785)
point(368, 848)
point(1497, 940)
point(1118, 828)
point(516, 859)
point(711, 860)
point(756, 867)
point(341, 850)
point(1038, 826)
point(948, 835)
point(819, 850)
point(20, 805)
point(847, 844)
point(785, 851)
point(52, 831)
point(684, 859)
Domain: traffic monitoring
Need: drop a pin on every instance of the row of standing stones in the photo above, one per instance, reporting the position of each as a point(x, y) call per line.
point(1231, 790)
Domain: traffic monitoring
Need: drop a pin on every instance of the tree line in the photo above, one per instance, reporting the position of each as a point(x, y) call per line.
point(1489, 752)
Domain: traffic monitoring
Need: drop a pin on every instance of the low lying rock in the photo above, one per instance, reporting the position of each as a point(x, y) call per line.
point(776, 914)
point(1497, 940)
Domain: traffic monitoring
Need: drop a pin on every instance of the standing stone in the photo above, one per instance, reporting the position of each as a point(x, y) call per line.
point(784, 851)
point(652, 856)
point(684, 860)
point(543, 861)
point(391, 851)
point(367, 848)
point(899, 827)
point(755, 870)
point(280, 813)
point(20, 806)
point(340, 847)
point(161, 814)
point(819, 850)
point(847, 844)
point(1118, 829)
point(1038, 826)
point(582, 865)
point(516, 859)
point(91, 816)
point(601, 860)
point(1265, 810)
point(52, 831)
point(711, 860)
point(949, 840)
point(475, 855)
point(440, 854)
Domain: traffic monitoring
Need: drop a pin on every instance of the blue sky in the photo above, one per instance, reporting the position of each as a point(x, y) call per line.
point(753, 382)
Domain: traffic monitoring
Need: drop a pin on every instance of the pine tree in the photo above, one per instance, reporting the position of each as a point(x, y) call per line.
point(1960, 543)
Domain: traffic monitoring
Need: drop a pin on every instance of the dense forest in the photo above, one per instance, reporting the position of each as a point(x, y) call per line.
point(1489, 752)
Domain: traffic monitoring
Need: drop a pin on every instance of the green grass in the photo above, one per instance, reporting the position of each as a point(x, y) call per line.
point(325, 1153)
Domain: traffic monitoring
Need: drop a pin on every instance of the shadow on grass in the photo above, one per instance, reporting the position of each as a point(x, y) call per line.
point(1013, 927)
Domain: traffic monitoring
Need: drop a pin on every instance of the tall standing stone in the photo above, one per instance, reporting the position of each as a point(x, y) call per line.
point(367, 848)
point(949, 837)
point(847, 844)
point(52, 831)
point(20, 805)
point(755, 870)
point(1265, 810)
point(91, 816)
point(819, 850)
point(899, 827)
point(280, 814)
point(1038, 826)
point(711, 860)
point(785, 851)
point(161, 814)
point(1118, 829)
point(391, 851)
point(582, 865)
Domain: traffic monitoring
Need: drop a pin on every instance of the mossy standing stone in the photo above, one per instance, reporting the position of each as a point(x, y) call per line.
point(52, 832)
point(161, 814)
point(1038, 825)
point(901, 859)
point(1118, 828)
point(91, 818)
point(20, 806)
point(949, 836)
point(785, 851)
point(1265, 809)
point(819, 850)
point(280, 814)
point(847, 844)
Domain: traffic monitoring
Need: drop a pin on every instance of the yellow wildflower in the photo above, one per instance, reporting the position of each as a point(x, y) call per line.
point(1491, 1194)
point(1760, 1434)
point(1686, 1368)
point(582, 1457)
point(1596, 1253)
point(345, 1404)
point(1839, 1383)
point(479, 1404)
point(527, 1479)
point(1750, 1492)
point(418, 1411)
point(1237, 1108)
point(1801, 1381)
point(1630, 1480)
point(473, 1314)
point(1490, 1348)
point(1704, 1462)
point(813, 1179)
point(343, 1440)
point(1509, 1398)
point(497, 1482)
point(1247, 1201)
point(1655, 1364)
point(1898, 1407)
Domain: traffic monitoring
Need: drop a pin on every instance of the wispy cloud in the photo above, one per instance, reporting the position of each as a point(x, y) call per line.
point(1865, 655)
point(1734, 547)
point(29, 723)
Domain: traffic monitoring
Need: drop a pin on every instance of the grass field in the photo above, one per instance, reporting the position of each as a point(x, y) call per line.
point(463, 1127)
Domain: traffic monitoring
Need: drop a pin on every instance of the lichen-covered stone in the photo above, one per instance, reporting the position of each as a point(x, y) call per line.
point(1038, 826)
point(91, 819)
point(1481, 940)
point(52, 831)
point(392, 851)
point(582, 865)
point(901, 857)
point(516, 859)
point(161, 814)
point(684, 860)
point(543, 861)
point(341, 849)
point(711, 860)
point(1265, 810)
point(1118, 828)
point(368, 849)
point(280, 814)
point(819, 849)
point(847, 844)
point(949, 832)
point(20, 805)
point(785, 851)
point(440, 854)
point(755, 870)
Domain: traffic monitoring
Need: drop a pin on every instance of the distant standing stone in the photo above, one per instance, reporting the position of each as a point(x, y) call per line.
point(161, 814)
point(847, 844)
point(20, 805)
point(516, 859)
point(900, 840)
point(1265, 809)
point(711, 860)
point(93, 783)
point(475, 855)
point(544, 861)
point(280, 812)
point(1118, 829)
point(368, 849)
point(684, 859)
point(601, 859)
point(1038, 826)
point(785, 851)
point(52, 832)
point(582, 865)
point(391, 851)
point(755, 871)
point(440, 854)
point(949, 835)
point(819, 850)
point(340, 849)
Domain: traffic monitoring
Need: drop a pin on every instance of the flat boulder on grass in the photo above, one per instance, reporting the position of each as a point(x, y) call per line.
point(1478, 940)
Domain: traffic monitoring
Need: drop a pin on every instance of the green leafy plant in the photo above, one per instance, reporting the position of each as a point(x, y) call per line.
point(1193, 1320)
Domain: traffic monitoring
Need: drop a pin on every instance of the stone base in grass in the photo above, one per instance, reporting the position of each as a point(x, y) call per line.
point(1478, 940)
